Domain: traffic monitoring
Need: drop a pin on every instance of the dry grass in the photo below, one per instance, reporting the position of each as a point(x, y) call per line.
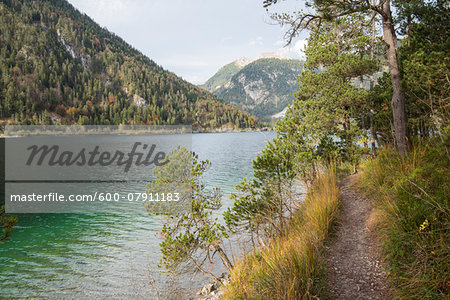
point(291, 266)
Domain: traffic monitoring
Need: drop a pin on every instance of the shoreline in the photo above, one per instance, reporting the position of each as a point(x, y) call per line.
point(193, 132)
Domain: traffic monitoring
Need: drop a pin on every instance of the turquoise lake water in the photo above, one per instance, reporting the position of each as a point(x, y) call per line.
point(114, 255)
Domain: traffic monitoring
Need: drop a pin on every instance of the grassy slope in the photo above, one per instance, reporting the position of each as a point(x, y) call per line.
point(290, 267)
point(411, 195)
point(222, 77)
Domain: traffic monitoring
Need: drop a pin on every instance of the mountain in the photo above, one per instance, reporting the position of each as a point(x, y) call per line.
point(263, 86)
point(222, 77)
point(58, 66)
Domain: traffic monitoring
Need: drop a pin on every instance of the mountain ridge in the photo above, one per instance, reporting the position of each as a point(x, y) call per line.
point(262, 86)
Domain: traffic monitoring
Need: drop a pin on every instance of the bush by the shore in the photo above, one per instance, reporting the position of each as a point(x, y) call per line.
point(291, 267)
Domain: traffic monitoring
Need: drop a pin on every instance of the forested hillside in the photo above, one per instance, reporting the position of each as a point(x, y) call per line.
point(58, 66)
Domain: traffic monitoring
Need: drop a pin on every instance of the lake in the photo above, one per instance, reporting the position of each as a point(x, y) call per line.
point(114, 255)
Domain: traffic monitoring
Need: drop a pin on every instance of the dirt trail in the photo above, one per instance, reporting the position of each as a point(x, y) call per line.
point(355, 269)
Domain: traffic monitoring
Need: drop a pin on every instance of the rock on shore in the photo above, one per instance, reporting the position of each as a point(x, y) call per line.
point(213, 290)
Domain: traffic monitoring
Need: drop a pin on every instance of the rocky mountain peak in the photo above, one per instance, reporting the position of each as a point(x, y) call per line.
point(271, 55)
point(243, 61)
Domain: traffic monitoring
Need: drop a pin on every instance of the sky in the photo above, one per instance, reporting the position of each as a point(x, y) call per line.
point(195, 38)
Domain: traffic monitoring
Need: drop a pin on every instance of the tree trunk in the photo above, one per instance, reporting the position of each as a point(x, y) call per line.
point(363, 115)
point(204, 271)
point(346, 126)
point(373, 133)
point(398, 97)
point(363, 118)
point(224, 258)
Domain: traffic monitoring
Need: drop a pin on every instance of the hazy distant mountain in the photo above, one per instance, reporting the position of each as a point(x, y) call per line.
point(58, 66)
point(262, 86)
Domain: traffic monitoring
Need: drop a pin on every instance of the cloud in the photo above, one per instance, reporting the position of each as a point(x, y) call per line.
point(300, 47)
point(256, 41)
point(195, 79)
point(279, 43)
point(225, 39)
point(111, 12)
point(191, 68)
point(185, 61)
point(296, 51)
